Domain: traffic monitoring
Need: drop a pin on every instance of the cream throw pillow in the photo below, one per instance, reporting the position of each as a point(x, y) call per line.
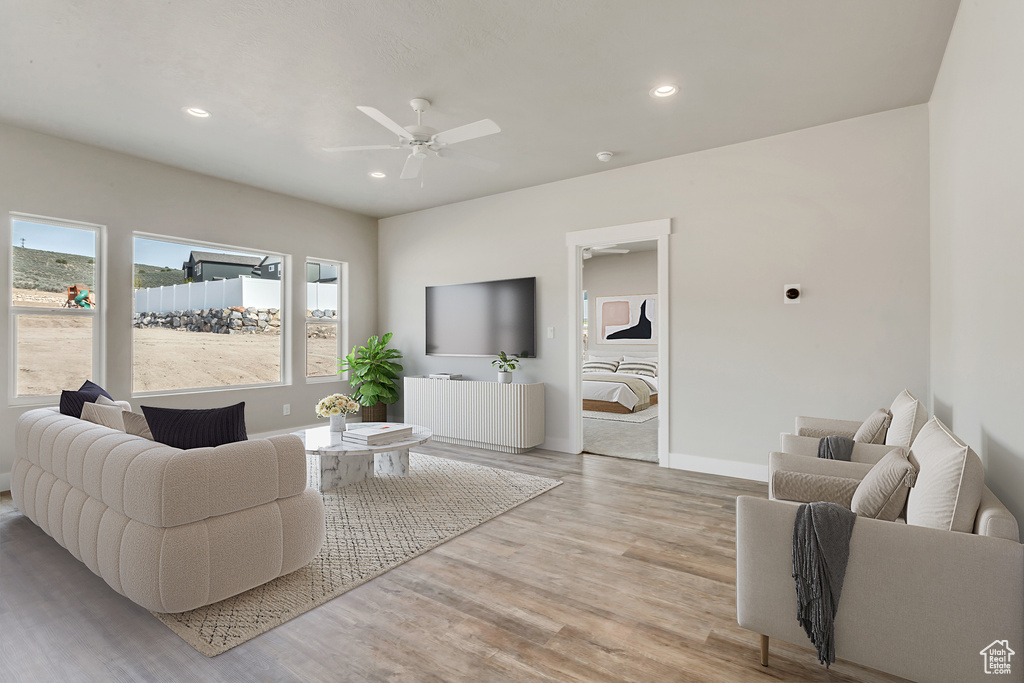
point(136, 424)
point(883, 491)
point(874, 428)
point(108, 416)
point(950, 480)
point(908, 416)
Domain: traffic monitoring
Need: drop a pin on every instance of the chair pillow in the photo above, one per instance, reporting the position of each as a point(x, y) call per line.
point(600, 366)
point(106, 415)
point(883, 491)
point(874, 428)
point(196, 428)
point(950, 480)
point(644, 368)
point(804, 487)
point(908, 416)
point(136, 424)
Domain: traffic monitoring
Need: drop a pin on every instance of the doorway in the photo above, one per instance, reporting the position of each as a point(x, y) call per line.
point(619, 352)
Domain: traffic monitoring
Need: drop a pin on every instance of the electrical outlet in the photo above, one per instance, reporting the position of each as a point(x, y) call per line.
point(287, 410)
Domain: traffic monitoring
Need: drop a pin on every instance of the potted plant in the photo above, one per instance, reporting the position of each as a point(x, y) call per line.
point(337, 407)
point(373, 376)
point(505, 366)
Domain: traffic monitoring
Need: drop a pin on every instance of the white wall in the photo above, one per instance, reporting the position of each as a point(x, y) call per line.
point(53, 177)
point(977, 240)
point(841, 209)
point(616, 275)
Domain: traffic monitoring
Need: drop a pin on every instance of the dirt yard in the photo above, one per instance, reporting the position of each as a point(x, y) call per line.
point(55, 353)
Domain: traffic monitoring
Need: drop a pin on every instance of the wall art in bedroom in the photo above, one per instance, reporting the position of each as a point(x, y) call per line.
point(627, 319)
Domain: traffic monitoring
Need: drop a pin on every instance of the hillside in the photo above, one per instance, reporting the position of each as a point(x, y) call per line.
point(52, 271)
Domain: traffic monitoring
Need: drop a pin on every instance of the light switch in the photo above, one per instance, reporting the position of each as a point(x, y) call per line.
point(551, 333)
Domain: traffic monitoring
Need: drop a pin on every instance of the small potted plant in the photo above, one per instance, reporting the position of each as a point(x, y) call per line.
point(505, 366)
point(337, 407)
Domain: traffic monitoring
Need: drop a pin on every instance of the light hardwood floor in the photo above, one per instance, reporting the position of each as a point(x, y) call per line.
point(626, 572)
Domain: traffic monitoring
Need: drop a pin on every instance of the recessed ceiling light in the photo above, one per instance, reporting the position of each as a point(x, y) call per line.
point(664, 91)
point(378, 174)
point(197, 112)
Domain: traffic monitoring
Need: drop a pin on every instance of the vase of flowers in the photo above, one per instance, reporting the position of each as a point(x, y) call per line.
point(337, 407)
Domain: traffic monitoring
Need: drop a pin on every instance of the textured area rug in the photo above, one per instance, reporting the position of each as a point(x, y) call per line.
point(372, 527)
point(636, 441)
point(642, 416)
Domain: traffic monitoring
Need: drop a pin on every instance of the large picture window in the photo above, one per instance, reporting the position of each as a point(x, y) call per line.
point(205, 316)
point(56, 299)
point(325, 298)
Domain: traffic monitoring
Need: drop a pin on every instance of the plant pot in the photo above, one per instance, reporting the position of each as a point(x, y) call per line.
point(505, 377)
point(378, 412)
point(338, 422)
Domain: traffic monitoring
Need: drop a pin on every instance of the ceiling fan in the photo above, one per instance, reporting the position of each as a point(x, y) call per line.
point(420, 139)
point(590, 252)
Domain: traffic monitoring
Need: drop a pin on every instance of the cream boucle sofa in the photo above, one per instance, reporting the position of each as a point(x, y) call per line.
point(169, 529)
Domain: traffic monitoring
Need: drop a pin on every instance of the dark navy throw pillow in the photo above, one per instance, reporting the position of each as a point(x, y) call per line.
point(196, 428)
point(71, 402)
point(92, 386)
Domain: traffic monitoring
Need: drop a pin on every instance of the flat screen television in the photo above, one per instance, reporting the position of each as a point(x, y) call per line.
point(483, 318)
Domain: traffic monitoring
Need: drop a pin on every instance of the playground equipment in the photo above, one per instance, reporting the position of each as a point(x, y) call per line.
point(79, 296)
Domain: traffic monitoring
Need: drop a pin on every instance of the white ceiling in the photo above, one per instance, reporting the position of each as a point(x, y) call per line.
point(564, 79)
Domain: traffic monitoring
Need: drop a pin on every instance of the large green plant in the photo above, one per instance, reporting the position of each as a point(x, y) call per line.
point(373, 371)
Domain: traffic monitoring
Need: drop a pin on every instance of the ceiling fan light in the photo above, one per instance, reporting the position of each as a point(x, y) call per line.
point(667, 90)
point(197, 112)
point(378, 174)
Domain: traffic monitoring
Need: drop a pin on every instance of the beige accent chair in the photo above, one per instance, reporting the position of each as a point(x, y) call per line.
point(917, 602)
point(169, 529)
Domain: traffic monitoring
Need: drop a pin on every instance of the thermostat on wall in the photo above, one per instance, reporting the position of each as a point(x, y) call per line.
point(791, 294)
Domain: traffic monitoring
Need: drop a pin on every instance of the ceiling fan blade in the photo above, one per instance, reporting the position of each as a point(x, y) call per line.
point(412, 167)
point(381, 118)
point(360, 148)
point(467, 132)
point(468, 159)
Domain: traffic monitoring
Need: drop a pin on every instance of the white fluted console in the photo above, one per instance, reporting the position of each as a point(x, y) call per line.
point(491, 415)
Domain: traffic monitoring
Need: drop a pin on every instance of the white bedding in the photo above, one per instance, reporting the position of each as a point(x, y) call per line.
point(616, 393)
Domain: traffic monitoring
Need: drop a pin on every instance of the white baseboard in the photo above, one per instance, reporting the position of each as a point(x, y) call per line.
point(725, 468)
point(555, 444)
point(5, 481)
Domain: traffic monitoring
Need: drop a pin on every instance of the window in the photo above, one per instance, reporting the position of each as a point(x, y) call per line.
point(56, 288)
point(220, 327)
point(325, 303)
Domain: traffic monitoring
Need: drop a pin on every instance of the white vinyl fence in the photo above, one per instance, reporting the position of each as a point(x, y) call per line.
point(239, 291)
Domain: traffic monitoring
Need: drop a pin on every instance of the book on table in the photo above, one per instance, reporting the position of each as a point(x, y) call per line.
point(380, 435)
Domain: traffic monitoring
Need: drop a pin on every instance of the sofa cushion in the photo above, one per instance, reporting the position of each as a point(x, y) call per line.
point(106, 415)
point(874, 428)
point(908, 416)
point(950, 480)
point(136, 424)
point(883, 492)
point(196, 428)
point(806, 487)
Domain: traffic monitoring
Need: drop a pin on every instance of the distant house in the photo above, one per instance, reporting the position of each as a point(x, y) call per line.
point(204, 266)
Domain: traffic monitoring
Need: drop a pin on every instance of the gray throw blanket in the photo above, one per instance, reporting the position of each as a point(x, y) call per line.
point(821, 549)
point(835, 448)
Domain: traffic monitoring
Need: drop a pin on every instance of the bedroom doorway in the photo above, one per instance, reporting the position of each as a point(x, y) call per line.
point(619, 347)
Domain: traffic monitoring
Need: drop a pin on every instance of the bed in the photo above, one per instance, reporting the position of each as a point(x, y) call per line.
point(617, 391)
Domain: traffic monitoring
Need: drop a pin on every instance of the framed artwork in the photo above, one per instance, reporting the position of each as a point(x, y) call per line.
point(627, 319)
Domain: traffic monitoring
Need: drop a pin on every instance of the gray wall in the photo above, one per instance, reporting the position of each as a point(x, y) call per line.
point(616, 275)
point(977, 240)
point(841, 209)
point(52, 177)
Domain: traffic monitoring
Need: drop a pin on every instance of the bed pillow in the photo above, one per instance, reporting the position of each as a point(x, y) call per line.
point(874, 428)
point(599, 356)
point(639, 367)
point(600, 366)
point(196, 428)
point(642, 359)
point(106, 415)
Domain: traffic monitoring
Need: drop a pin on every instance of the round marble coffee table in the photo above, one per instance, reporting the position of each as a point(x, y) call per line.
point(342, 462)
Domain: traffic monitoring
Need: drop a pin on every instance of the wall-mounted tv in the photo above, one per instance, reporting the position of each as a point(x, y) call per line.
point(483, 318)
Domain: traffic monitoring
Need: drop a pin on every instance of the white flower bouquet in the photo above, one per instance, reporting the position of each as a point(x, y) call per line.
point(337, 404)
